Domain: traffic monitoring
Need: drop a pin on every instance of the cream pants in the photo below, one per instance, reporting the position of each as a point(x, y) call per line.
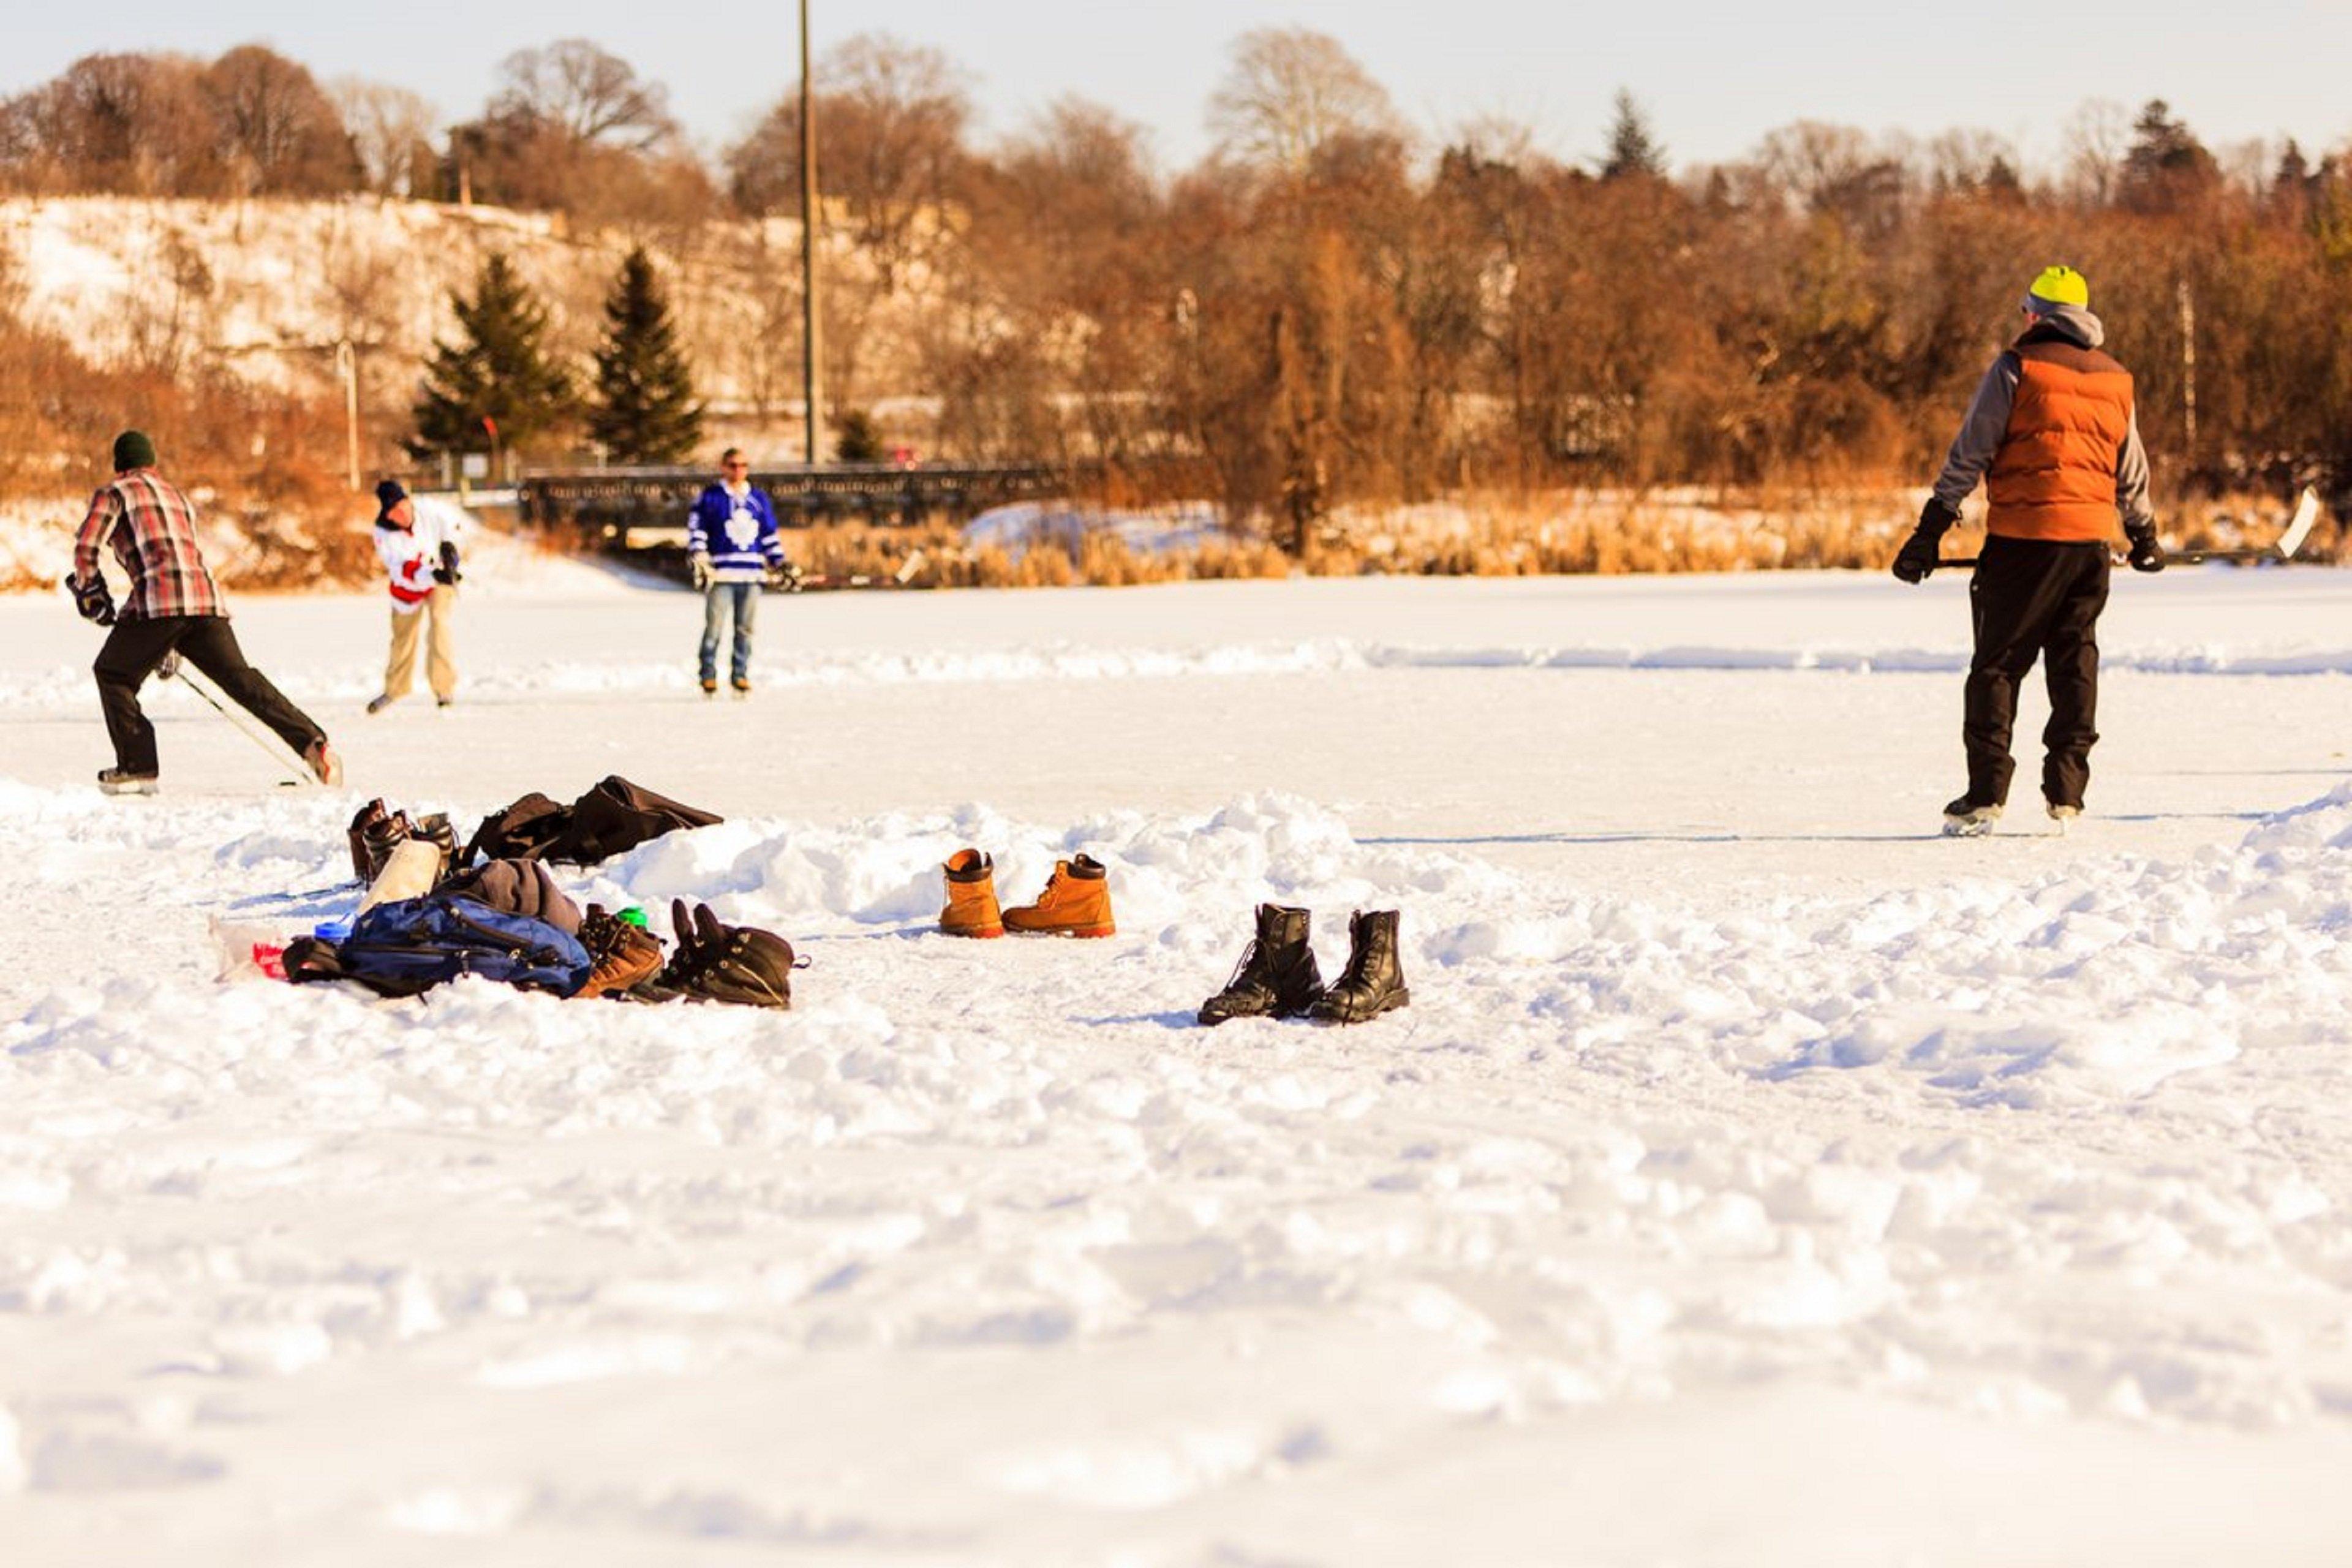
point(440, 665)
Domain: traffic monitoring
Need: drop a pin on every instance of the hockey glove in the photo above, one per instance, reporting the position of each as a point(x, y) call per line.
point(1916, 560)
point(698, 567)
point(93, 601)
point(785, 576)
point(446, 573)
point(2147, 552)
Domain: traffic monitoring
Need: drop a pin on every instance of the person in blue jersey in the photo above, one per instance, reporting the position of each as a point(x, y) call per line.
point(731, 548)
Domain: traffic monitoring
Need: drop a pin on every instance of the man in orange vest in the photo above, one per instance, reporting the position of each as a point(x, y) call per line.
point(2053, 433)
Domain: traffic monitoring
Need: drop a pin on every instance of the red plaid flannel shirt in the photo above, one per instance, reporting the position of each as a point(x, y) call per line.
point(153, 529)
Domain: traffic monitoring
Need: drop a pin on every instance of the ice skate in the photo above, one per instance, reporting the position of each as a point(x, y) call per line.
point(1967, 818)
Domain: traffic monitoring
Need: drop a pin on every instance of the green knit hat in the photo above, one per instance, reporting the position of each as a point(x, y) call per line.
point(132, 449)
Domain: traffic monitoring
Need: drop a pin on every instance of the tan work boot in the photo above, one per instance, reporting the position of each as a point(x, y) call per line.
point(1076, 902)
point(971, 896)
point(621, 955)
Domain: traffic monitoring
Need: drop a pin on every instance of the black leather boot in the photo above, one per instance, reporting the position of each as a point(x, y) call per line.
point(1373, 982)
point(1277, 976)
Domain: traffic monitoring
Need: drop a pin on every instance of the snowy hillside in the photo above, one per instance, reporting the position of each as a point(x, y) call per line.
point(267, 288)
point(1755, 1178)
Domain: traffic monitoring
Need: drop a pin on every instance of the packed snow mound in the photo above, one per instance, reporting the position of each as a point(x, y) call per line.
point(1023, 526)
point(1569, 1258)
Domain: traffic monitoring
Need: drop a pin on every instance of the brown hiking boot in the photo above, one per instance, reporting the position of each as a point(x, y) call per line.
point(971, 896)
point(1076, 902)
point(621, 955)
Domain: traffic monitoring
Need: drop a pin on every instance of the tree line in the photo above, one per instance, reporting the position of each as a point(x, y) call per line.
point(1330, 308)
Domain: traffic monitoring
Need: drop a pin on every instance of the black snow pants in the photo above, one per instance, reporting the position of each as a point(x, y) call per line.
point(2033, 597)
point(135, 649)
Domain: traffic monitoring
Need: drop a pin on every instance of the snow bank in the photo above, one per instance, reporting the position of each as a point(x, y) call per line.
point(1878, 1259)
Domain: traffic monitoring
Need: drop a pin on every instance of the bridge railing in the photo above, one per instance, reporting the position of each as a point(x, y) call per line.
point(629, 508)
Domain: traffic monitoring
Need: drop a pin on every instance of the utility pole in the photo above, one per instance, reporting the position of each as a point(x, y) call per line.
point(812, 385)
point(347, 365)
point(2188, 369)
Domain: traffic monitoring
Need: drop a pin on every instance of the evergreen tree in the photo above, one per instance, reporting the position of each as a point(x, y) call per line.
point(859, 441)
point(2167, 168)
point(1633, 150)
point(498, 370)
point(643, 409)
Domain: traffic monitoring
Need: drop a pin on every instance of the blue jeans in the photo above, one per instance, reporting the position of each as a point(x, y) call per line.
point(720, 601)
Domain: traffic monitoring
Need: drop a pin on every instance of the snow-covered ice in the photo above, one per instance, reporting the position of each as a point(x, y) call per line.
point(1755, 1178)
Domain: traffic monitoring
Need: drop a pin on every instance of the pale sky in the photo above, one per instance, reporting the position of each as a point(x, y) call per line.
point(1714, 75)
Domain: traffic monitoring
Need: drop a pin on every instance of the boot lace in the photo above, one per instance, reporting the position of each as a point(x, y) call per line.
point(1360, 959)
point(1249, 958)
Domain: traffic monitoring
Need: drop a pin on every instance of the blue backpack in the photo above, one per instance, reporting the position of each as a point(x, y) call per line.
point(413, 944)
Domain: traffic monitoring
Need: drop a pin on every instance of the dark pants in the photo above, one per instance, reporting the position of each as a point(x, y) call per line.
point(135, 648)
point(2032, 598)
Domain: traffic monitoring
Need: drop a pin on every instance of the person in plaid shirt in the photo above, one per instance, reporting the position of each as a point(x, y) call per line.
point(174, 608)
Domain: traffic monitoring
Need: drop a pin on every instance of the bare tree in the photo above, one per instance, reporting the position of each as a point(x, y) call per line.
point(1968, 160)
point(573, 130)
point(1810, 160)
point(392, 131)
point(2096, 136)
point(592, 97)
point(1290, 93)
point(892, 117)
point(137, 124)
point(277, 132)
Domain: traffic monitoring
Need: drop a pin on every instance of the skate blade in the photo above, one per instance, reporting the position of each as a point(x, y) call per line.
point(1968, 827)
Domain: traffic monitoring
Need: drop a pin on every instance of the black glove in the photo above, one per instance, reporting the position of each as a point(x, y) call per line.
point(1917, 558)
point(2146, 550)
point(93, 601)
point(446, 573)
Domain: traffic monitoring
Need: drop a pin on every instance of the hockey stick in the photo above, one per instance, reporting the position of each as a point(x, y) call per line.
point(2298, 529)
point(175, 668)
